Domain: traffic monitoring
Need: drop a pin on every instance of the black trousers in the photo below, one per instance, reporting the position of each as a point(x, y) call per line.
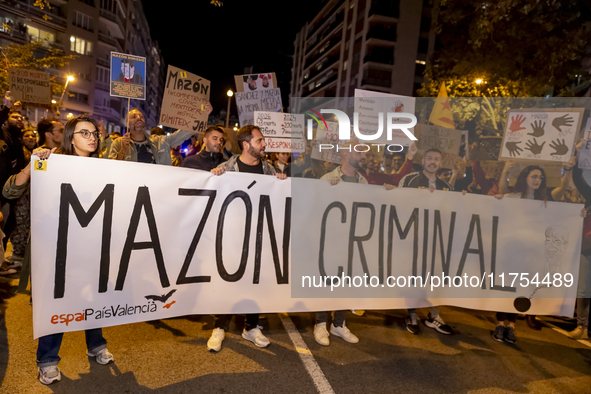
point(501, 316)
point(223, 321)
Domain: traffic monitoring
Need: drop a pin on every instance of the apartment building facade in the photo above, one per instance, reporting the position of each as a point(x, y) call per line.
point(91, 30)
point(378, 45)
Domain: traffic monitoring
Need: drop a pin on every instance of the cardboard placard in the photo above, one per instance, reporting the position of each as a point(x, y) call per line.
point(327, 136)
point(30, 86)
point(268, 100)
point(185, 95)
point(253, 82)
point(541, 134)
point(370, 104)
point(275, 144)
point(448, 141)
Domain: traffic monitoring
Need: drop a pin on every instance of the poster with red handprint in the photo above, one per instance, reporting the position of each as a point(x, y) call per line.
point(541, 134)
point(369, 105)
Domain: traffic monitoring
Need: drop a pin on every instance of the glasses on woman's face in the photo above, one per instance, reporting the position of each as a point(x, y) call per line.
point(86, 134)
point(537, 177)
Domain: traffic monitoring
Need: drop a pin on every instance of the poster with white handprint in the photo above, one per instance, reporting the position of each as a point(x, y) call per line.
point(541, 134)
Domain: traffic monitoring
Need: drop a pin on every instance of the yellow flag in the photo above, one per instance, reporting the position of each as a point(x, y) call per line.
point(441, 114)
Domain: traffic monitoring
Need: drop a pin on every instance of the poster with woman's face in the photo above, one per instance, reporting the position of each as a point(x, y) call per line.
point(253, 82)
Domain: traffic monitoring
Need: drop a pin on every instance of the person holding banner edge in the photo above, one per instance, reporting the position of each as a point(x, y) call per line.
point(531, 185)
point(137, 146)
point(252, 160)
point(427, 179)
point(348, 171)
point(81, 138)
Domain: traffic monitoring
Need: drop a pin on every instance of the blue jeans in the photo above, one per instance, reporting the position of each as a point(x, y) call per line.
point(49, 346)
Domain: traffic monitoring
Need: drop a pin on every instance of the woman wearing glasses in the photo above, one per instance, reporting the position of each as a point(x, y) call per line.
point(531, 185)
point(81, 138)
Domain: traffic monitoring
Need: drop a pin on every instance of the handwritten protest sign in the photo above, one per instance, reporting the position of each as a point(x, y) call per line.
point(285, 144)
point(448, 141)
point(185, 96)
point(284, 132)
point(327, 137)
point(30, 86)
point(252, 82)
point(268, 100)
point(128, 76)
point(370, 104)
point(120, 249)
point(541, 134)
point(585, 154)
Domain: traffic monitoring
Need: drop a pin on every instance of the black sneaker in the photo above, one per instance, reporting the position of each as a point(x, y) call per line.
point(499, 334)
point(510, 335)
point(438, 325)
point(412, 324)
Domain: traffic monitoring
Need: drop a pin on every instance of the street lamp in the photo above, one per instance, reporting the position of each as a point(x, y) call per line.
point(230, 93)
point(478, 81)
point(69, 78)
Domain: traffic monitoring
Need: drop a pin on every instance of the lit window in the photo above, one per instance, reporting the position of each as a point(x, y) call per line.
point(40, 35)
point(80, 46)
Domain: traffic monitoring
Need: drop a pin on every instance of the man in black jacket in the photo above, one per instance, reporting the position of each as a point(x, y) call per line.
point(211, 154)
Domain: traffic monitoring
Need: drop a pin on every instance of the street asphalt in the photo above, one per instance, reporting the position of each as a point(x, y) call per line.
point(170, 356)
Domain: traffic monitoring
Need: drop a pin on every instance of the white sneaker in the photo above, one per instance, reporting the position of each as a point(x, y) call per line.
point(50, 374)
point(256, 336)
point(102, 356)
point(344, 333)
point(321, 335)
point(215, 341)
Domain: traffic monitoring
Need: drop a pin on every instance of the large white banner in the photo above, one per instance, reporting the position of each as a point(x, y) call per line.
point(118, 242)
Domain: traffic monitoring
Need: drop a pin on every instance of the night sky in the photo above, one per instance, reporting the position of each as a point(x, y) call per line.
point(219, 42)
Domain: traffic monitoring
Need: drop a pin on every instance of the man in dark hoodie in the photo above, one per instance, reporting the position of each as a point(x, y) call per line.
point(211, 155)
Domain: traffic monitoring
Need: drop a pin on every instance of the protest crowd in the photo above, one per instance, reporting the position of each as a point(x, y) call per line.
point(207, 151)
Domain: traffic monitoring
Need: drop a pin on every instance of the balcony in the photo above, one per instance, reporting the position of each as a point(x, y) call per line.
point(381, 32)
point(110, 41)
point(331, 44)
point(114, 20)
point(319, 25)
point(376, 82)
point(15, 35)
point(28, 6)
point(106, 111)
point(103, 85)
point(103, 62)
point(327, 63)
point(380, 55)
point(328, 79)
point(325, 32)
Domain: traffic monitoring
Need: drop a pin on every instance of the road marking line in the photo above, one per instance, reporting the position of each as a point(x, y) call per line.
point(306, 356)
point(563, 332)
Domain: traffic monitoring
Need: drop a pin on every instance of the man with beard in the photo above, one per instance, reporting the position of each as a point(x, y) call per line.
point(252, 160)
point(427, 179)
point(348, 171)
point(137, 146)
point(211, 154)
